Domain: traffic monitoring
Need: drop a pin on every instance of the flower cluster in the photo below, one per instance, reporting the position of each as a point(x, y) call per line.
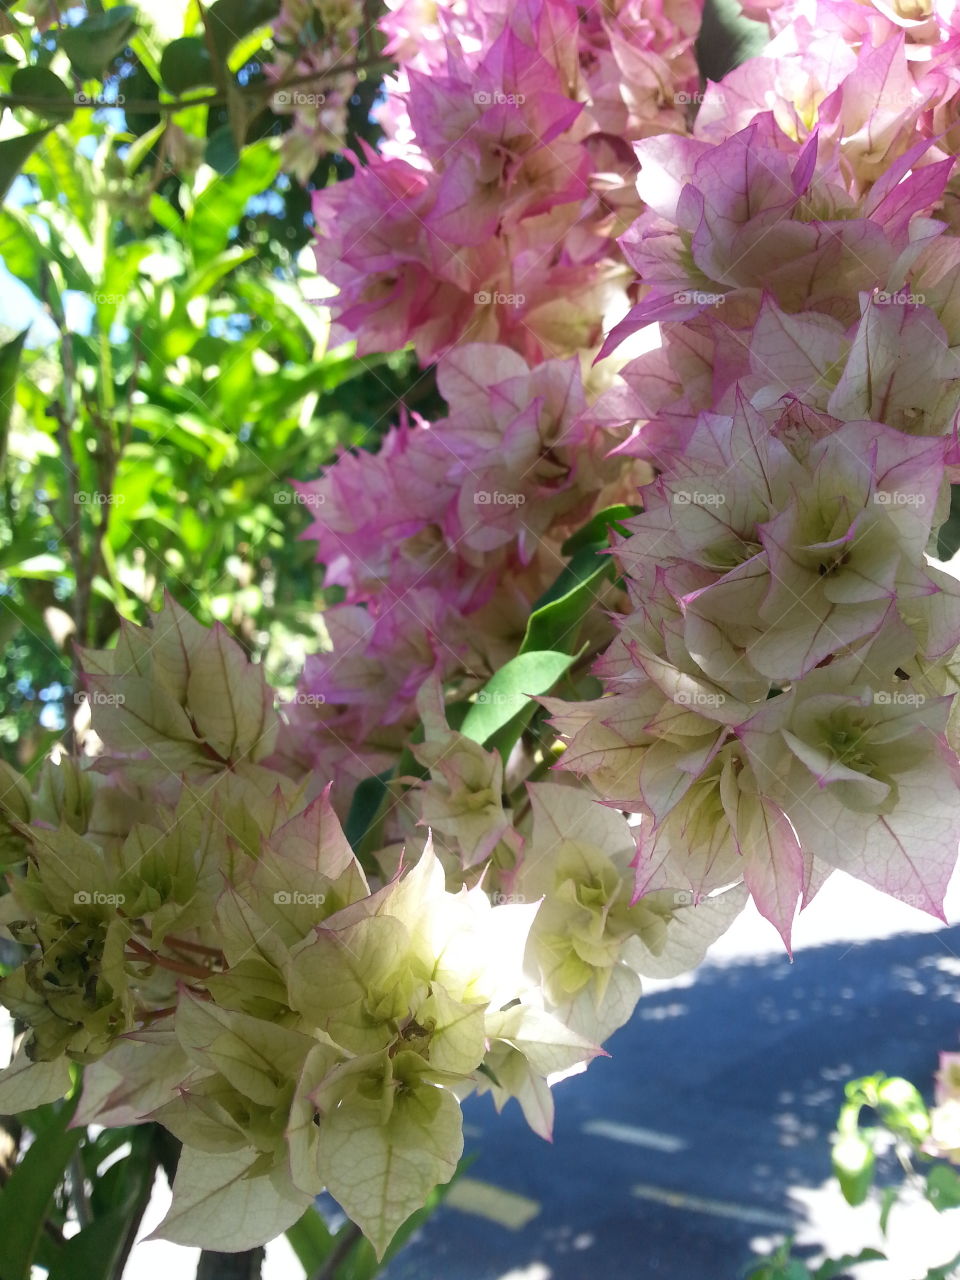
point(692, 579)
point(493, 210)
point(199, 934)
point(317, 44)
point(211, 948)
point(443, 541)
point(774, 703)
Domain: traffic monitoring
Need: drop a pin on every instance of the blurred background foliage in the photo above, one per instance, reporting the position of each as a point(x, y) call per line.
point(164, 370)
point(164, 367)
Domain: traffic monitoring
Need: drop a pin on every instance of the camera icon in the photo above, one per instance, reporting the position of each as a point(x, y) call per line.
point(482, 498)
point(882, 698)
point(282, 898)
point(482, 298)
point(682, 99)
point(283, 496)
point(482, 99)
point(683, 898)
point(682, 498)
point(282, 98)
point(82, 898)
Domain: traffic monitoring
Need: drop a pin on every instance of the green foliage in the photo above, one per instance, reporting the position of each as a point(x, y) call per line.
point(505, 704)
point(29, 1192)
point(902, 1113)
point(780, 1265)
point(207, 82)
point(727, 38)
point(93, 44)
point(154, 444)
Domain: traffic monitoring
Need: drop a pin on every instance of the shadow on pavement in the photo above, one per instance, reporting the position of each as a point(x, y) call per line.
point(672, 1155)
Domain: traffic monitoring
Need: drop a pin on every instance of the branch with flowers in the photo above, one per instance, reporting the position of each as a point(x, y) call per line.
point(648, 624)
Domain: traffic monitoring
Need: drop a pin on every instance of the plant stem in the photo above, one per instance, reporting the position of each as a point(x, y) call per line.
point(328, 1270)
point(230, 1266)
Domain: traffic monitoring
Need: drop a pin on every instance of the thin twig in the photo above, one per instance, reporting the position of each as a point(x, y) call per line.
point(328, 1270)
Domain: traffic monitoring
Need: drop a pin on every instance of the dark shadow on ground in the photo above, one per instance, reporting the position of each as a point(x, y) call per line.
point(747, 1068)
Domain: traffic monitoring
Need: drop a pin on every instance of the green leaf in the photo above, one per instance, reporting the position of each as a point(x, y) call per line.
point(219, 207)
point(249, 47)
point(948, 539)
point(14, 153)
point(853, 1165)
point(185, 64)
point(556, 616)
point(28, 1193)
point(92, 1253)
point(365, 807)
point(727, 38)
point(310, 1240)
point(506, 701)
point(221, 151)
point(889, 1199)
point(67, 176)
point(141, 147)
point(94, 43)
point(39, 82)
point(836, 1266)
point(231, 20)
point(780, 1266)
point(596, 532)
point(947, 1271)
point(903, 1109)
point(9, 364)
point(201, 282)
point(943, 1187)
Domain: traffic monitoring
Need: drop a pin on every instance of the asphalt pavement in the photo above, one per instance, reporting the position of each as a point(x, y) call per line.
point(705, 1135)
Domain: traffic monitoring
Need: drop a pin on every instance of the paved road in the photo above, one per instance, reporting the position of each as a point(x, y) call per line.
point(700, 1133)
